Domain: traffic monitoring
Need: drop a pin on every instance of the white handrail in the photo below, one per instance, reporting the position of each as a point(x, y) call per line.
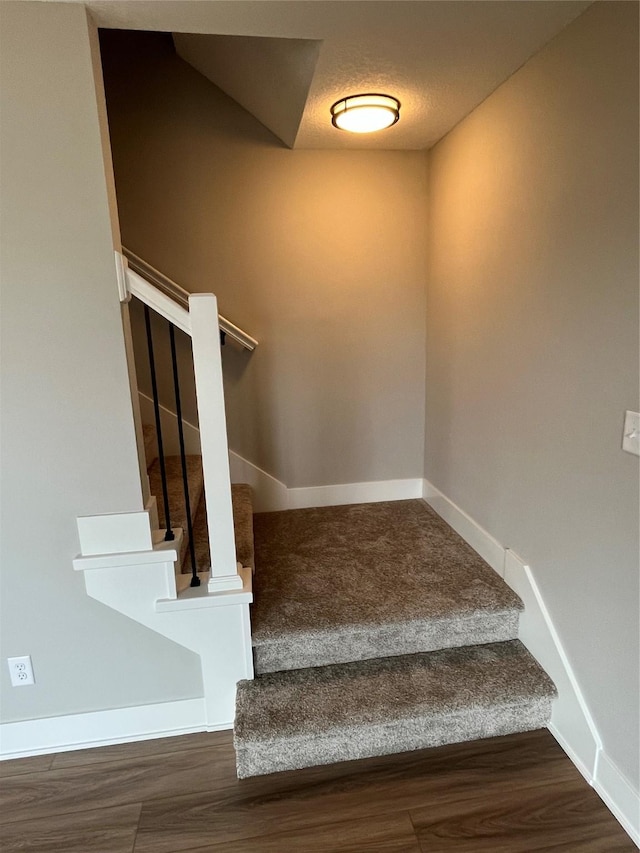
point(162, 304)
point(181, 296)
point(197, 319)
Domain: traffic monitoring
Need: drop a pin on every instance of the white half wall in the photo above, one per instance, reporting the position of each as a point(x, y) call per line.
point(140, 583)
point(572, 723)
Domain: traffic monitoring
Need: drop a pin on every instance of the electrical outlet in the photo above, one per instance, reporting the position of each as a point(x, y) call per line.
point(21, 671)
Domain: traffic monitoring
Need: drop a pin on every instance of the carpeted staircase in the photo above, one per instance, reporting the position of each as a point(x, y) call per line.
point(240, 495)
point(376, 629)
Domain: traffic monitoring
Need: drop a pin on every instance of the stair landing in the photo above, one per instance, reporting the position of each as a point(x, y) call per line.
point(348, 583)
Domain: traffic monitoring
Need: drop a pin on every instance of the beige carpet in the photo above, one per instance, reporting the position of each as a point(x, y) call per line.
point(241, 497)
point(348, 583)
point(242, 501)
point(301, 718)
point(175, 491)
point(376, 629)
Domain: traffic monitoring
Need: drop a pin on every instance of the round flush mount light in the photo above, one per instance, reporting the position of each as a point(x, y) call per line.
point(365, 113)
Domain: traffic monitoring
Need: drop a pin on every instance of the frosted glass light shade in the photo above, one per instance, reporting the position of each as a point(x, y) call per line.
point(365, 113)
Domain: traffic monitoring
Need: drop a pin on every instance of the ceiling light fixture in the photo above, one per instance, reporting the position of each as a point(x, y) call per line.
point(365, 113)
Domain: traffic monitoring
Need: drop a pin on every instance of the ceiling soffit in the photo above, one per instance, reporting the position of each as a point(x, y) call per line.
point(269, 77)
point(287, 62)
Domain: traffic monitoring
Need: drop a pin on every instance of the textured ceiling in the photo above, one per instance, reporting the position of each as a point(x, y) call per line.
point(440, 58)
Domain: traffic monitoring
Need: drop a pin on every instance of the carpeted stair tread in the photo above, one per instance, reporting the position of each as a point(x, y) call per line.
point(150, 444)
point(242, 500)
point(300, 718)
point(337, 584)
point(175, 491)
point(201, 540)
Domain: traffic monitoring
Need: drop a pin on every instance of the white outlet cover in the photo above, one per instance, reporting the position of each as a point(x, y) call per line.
point(631, 433)
point(21, 671)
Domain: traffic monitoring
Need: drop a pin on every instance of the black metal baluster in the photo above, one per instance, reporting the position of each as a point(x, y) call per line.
point(195, 580)
point(169, 535)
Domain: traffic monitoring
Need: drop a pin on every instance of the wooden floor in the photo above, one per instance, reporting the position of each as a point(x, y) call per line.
point(516, 794)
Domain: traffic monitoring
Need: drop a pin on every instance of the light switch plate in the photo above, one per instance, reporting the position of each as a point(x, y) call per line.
point(631, 433)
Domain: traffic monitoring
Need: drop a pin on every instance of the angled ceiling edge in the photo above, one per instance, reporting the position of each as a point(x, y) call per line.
point(268, 77)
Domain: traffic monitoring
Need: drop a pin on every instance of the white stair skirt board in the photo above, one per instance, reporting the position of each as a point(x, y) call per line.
point(141, 584)
point(271, 495)
point(571, 722)
point(169, 424)
point(104, 728)
point(619, 795)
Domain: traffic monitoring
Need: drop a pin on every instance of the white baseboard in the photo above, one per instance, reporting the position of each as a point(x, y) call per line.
point(490, 549)
point(271, 495)
point(169, 424)
point(584, 769)
point(619, 795)
point(355, 493)
point(103, 728)
point(572, 724)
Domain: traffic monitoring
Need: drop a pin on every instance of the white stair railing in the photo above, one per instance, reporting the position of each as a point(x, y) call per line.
point(207, 366)
point(178, 294)
point(200, 320)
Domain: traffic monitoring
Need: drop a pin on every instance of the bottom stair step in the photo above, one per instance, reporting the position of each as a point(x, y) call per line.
point(301, 718)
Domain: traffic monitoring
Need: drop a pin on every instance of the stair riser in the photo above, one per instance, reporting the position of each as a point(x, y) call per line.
point(377, 642)
point(263, 757)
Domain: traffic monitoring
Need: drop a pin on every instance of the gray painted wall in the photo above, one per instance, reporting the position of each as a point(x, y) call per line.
point(68, 445)
point(532, 341)
point(531, 357)
point(317, 254)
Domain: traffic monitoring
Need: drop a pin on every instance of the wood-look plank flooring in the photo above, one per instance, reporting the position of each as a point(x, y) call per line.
point(516, 794)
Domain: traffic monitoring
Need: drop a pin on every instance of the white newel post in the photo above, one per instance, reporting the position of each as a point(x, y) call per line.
point(207, 364)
